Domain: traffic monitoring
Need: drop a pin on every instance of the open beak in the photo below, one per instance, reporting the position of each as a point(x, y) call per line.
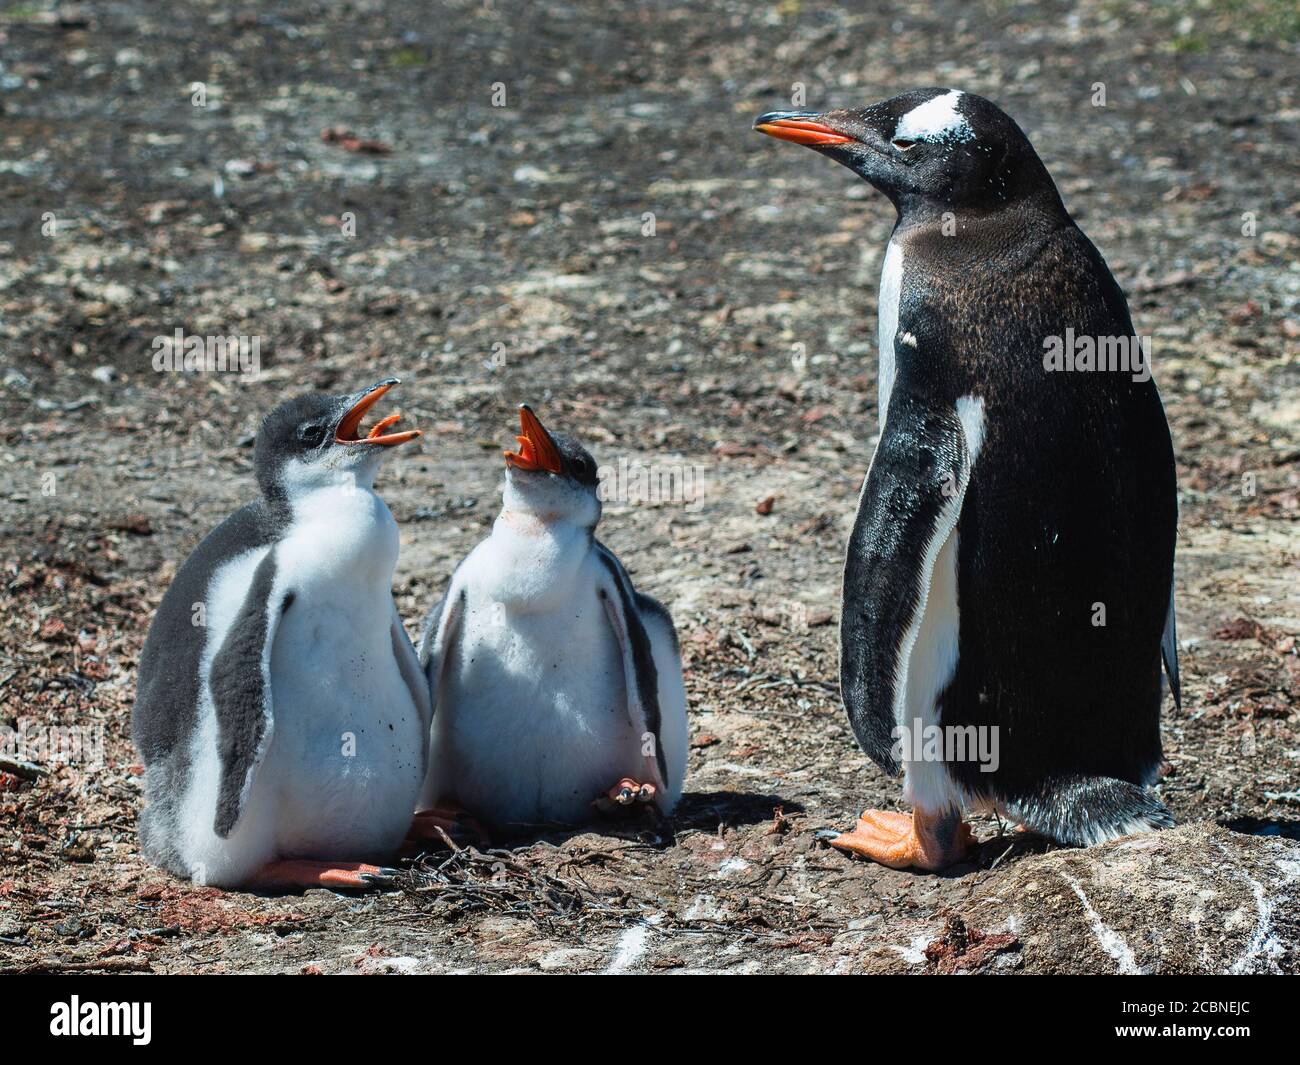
point(349, 427)
point(800, 127)
point(537, 451)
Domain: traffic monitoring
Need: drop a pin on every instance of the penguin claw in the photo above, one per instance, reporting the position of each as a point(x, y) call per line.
point(301, 874)
point(625, 793)
point(384, 877)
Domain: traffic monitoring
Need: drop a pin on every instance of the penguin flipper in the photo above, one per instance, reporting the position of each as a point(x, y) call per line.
point(1169, 651)
point(439, 632)
point(911, 499)
point(641, 676)
point(408, 664)
point(437, 636)
point(240, 681)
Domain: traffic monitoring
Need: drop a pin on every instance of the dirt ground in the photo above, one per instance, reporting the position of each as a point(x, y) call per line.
point(349, 193)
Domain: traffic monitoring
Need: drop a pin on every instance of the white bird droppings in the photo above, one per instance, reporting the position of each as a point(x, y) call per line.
point(1107, 938)
point(631, 946)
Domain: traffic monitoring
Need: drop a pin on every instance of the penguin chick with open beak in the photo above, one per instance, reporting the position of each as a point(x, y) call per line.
point(554, 682)
point(280, 712)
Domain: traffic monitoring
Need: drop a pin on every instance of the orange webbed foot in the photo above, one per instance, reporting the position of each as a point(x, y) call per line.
point(908, 841)
point(299, 874)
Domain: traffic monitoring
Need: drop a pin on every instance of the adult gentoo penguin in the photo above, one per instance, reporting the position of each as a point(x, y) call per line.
point(1011, 564)
point(281, 713)
point(555, 684)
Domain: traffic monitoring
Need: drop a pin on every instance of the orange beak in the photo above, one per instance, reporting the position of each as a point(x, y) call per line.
point(799, 129)
point(537, 451)
point(349, 428)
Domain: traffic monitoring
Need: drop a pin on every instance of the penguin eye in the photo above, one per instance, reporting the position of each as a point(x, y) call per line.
point(902, 143)
point(311, 435)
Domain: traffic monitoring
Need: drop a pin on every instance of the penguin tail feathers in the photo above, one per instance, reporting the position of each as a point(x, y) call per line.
point(1085, 811)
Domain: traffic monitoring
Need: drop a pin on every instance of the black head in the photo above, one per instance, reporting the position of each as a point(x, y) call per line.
point(315, 438)
point(551, 477)
point(550, 454)
point(928, 150)
point(577, 462)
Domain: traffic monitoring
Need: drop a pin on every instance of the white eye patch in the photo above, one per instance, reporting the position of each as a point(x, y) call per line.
point(935, 120)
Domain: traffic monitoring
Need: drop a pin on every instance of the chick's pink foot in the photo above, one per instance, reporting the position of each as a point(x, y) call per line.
point(442, 822)
point(627, 792)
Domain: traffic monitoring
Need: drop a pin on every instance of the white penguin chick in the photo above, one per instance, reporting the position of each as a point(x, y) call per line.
point(280, 710)
point(556, 686)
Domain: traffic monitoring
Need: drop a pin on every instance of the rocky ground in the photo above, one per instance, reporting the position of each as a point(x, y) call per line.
point(615, 246)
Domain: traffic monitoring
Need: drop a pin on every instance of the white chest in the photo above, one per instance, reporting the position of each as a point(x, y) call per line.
point(347, 746)
point(891, 291)
point(339, 535)
point(534, 567)
point(532, 719)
